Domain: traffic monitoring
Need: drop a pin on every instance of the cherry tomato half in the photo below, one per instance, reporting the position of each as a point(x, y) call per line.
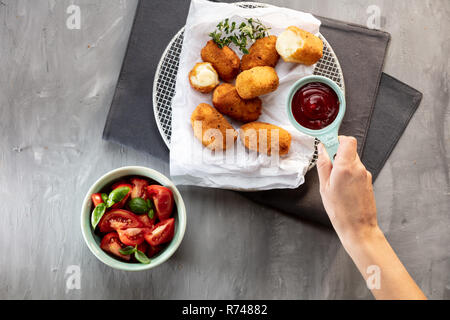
point(118, 219)
point(163, 199)
point(111, 243)
point(161, 233)
point(96, 199)
point(133, 236)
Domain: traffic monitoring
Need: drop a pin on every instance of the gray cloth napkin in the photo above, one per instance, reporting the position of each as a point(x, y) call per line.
point(131, 121)
point(361, 53)
point(396, 104)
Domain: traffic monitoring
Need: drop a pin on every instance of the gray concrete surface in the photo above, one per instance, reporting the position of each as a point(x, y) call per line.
point(55, 89)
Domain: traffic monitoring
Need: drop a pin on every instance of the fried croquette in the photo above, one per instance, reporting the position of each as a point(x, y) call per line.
point(257, 136)
point(256, 82)
point(262, 53)
point(299, 46)
point(203, 77)
point(225, 61)
point(211, 128)
point(227, 101)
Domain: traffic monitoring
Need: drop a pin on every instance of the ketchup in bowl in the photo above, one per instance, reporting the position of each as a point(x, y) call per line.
point(315, 105)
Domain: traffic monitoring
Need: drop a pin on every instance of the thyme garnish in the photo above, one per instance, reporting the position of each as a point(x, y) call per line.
point(227, 33)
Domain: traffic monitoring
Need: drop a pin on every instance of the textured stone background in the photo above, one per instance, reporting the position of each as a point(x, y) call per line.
point(55, 89)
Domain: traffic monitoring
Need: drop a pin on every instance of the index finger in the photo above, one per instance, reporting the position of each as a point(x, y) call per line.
point(347, 150)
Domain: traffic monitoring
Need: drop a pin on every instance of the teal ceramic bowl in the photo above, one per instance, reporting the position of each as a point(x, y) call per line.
point(93, 241)
point(328, 135)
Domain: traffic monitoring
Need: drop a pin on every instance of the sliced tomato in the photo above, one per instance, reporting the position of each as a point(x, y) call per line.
point(161, 233)
point(139, 188)
point(146, 221)
point(118, 219)
point(121, 204)
point(111, 243)
point(153, 250)
point(143, 247)
point(96, 199)
point(133, 236)
point(163, 199)
point(118, 184)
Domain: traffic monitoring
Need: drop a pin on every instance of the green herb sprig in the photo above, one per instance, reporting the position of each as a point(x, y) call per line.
point(114, 197)
point(139, 255)
point(97, 214)
point(117, 195)
point(229, 32)
point(141, 206)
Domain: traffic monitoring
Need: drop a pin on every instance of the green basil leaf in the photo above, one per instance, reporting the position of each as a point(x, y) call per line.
point(141, 257)
point(128, 250)
point(151, 214)
point(138, 206)
point(117, 195)
point(104, 197)
point(150, 204)
point(97, 214)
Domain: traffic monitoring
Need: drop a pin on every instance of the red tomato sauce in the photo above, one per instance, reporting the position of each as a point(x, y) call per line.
point(315, 105)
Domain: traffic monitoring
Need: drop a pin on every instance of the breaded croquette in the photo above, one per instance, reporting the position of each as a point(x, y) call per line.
point(227, 101)
point(225, 61)
point(211, 128)
point(262, 53)
point(256, 136)
point(256, 82)
point(299, 46)
point(203, 77)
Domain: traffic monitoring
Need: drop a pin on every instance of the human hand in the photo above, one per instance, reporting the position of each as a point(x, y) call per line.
point(347, 193)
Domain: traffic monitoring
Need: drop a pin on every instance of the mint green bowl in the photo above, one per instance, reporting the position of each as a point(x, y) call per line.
point(93, 241)
point(328, 135)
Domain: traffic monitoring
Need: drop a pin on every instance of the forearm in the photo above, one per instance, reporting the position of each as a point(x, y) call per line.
point(374, 258)
point(347, 193)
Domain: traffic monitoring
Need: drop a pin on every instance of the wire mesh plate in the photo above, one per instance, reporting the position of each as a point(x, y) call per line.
point(166, 75)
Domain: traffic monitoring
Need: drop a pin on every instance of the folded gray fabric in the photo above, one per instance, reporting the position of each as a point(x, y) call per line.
point(360, 51)
point(396, 104)
point(131, 121)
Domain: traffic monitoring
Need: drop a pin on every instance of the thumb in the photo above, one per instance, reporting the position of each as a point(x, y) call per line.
point(324, 166)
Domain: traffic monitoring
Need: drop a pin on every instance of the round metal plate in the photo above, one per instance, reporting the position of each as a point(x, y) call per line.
point(166, 75)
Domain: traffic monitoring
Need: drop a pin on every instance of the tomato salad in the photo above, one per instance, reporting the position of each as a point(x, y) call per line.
point(134, 219)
